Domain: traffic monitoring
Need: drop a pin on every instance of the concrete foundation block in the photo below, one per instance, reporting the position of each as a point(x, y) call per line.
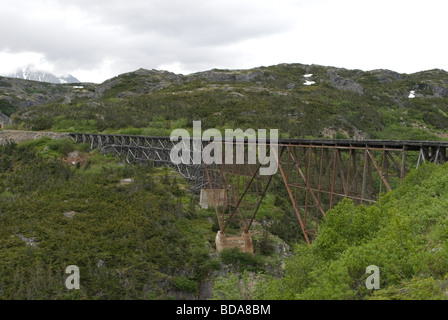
point(243, 242)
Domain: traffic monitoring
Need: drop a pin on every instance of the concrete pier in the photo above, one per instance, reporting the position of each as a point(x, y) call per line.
point(243, 242)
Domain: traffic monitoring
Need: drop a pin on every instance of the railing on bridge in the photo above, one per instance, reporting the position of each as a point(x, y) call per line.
point(316, 174)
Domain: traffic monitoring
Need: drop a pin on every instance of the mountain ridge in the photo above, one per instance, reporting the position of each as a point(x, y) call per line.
point(30, 73)
point(301, 100)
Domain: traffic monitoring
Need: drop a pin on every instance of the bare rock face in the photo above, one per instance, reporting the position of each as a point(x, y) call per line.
point(344, 84)
point(18, 94)
point(386, 76)
point(227, 75)
point(438, 90)
point(4, 118)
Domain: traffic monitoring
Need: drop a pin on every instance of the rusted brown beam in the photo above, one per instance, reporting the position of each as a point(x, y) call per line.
point(296, 210)
point(386, 183)
point(350, 196)
point(259, 203)
point(341, 172)
point(308, 187)
point(333, 181)
point(349, 162)
point(364, 177)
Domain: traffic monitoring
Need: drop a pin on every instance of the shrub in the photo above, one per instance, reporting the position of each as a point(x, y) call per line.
point(236, 258)
point(62, 146)
point(183, 283)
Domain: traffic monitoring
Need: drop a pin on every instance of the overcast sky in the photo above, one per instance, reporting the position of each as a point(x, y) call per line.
point(96, 40)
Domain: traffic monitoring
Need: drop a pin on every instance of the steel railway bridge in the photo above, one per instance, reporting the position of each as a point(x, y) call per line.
point(316, 174)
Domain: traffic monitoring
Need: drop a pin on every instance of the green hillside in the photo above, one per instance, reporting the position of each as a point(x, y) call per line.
point(339, 103)
point(131, 240)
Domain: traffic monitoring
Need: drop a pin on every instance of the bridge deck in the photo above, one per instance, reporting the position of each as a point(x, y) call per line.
point(389, 144)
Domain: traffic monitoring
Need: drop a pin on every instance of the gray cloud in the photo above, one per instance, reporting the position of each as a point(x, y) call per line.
point(199, 22)
point(98, 39)
point(135, 33)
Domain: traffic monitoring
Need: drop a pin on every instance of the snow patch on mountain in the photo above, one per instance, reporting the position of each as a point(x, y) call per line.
point(29, 73)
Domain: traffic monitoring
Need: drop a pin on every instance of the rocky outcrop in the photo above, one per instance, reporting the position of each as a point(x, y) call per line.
point(227, 75)
point(342, 83)
point(387, 76)
point(22, 94)
point(438, 90)
point(3, 118)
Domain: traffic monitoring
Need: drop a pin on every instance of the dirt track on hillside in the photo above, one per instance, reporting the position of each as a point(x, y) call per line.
point(19, 136)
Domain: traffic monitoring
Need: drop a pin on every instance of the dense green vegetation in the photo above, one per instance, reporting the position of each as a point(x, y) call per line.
point(6, 107)
point(405, 235)
point(130, 241)
point(145, 238)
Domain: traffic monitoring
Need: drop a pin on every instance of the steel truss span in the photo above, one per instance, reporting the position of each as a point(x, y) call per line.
point(315, 174)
